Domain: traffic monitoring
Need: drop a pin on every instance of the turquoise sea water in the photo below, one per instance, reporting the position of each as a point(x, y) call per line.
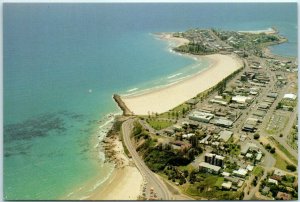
point(63, 62)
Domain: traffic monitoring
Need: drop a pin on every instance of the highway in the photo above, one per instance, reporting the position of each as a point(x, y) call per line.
point(153, 181)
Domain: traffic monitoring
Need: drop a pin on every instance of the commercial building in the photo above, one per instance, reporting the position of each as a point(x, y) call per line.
point(225, 135)
point(222, 122)
point(201, 116)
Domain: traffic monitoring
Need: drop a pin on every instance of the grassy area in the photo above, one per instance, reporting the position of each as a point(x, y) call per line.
point(284, 150)
point(159, 124)
point(219, 182)
point(280, 163)
point(258, 171)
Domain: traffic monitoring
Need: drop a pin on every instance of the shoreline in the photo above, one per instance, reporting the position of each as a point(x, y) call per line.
point(125, 181)
point(165, 98)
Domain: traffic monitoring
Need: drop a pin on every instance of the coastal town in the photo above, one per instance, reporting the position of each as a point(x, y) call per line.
point(236, 140)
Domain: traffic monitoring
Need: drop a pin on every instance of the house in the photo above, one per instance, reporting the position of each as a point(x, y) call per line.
point(225, 174)
point(225, 135)
point(240, 172)
point(226, 185)
point(203, 166)
point(249, 155)
point(234, 180)
point(283, 196)
point(279, 172)
point(272, 95)
point(272, 181)
point(258, 156)
point(249, 167)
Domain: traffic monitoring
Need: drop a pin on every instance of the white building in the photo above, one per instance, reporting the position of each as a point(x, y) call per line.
point(240, 172)
point(201, 116)
point(290, 96)
point(273, 181)
point(226, 185)
point(241, 99)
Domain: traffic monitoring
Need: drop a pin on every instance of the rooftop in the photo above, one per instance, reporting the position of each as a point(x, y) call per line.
point(225, 135)
point(209, 166)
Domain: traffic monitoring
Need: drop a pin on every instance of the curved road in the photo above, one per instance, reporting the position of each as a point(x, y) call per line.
point(153, 181)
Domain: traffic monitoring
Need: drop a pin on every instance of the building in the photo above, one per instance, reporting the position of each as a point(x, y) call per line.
point(249, 155)
point(209, 158)
point(247, 147)
point(203, 166)
point(240, 172)
point(219, 160)
point(226, 185)
point(201, 116)
point(205, 140)
point(272, 95)
point(225, 135)
point(250, 125)
point(241, 99)
point(225, 174)
point(188, 135)
point(249, 167)
point(283, 196)
point(258, 156)
point(279, 173)
point(220, 102)
point(234, 180)
point(214, 159)
point(259, 113)
point(222, 122)
point(290, 96)
point(272, 181)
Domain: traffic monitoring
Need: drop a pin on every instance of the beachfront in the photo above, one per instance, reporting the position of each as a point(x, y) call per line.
point(164, 99)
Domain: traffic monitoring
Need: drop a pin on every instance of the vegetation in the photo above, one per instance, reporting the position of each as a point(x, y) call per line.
point(194, 48)
point(284, 150)
point(256, 136)
point(291, 167)
point(258, 171)
point(158, 124)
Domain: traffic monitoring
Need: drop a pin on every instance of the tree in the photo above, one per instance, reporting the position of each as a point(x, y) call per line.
point(272, 150)
point(256, 136)
point(268, 147)
point(291, 167)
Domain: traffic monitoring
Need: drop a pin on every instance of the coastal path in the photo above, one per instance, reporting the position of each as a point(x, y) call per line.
point(153, 181)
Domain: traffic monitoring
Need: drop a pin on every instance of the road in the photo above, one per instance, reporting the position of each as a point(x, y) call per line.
point(152, 180)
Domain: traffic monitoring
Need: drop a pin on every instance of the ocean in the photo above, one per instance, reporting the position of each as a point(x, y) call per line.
point(63, 63)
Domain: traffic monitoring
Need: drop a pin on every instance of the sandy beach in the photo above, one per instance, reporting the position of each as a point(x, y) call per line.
point(164, 99)
point(125, 182)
